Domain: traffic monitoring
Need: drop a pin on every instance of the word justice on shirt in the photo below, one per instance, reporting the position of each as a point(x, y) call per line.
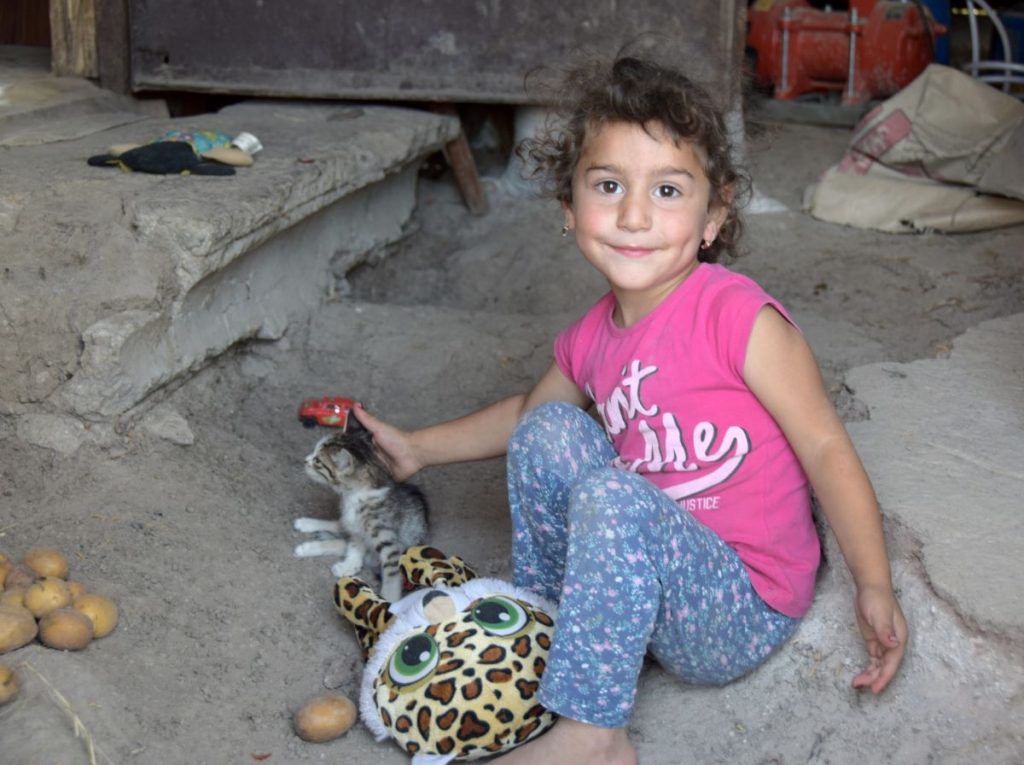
point(700, 450)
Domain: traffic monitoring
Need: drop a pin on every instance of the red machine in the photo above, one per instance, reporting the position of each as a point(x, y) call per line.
point(874, 49)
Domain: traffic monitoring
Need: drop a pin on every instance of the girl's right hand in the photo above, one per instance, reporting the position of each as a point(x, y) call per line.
point(393, 445)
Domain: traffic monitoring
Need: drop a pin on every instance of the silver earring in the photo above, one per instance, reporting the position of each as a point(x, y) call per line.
point(566, 230)
point(705, 244)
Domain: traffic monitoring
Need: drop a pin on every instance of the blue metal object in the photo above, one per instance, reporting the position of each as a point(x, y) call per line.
point(1014, 23)
point(942, 14)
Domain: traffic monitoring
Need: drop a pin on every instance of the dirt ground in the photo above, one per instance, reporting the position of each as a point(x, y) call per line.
point(223, 633)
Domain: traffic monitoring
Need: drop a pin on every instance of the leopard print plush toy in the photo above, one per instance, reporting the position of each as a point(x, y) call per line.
point(453, 667)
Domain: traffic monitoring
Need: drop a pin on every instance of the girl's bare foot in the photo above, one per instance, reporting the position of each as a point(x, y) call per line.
point(571, 743)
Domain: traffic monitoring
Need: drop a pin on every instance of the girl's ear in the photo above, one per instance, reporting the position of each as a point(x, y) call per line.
point(713, 223)
point(570, 217)
point(718, 211)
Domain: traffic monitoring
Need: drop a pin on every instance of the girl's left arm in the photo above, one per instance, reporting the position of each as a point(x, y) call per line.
point(781, 371)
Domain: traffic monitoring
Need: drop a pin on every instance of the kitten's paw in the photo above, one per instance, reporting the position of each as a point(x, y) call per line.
point(307, 525)
point(308, 550)
point(345, 568)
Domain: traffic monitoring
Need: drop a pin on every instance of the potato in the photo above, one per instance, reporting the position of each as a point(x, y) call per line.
point(65, 629)
point(46, 595)
point(20, 576)
point(8, 684)
point(324, 718)
point(5, 569)
point(17, 627)
point(13, 596)
point(101, 612)
point(46, 561)
point(76, 588)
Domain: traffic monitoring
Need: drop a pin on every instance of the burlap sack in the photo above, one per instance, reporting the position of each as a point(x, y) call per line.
point(946, 153)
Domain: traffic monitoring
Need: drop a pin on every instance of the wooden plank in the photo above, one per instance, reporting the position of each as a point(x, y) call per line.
point(446, 51)
point(73, 38)
point(113, 52)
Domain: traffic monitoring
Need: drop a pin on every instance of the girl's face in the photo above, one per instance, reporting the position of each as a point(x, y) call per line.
point(640, 210)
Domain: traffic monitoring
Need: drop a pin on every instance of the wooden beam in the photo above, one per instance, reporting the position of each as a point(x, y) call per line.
point(113, 46)
point(460, 159)
point(73, 38)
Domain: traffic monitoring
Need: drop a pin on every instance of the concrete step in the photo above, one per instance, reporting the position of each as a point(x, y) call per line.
point(115, 284)
point(38, 108)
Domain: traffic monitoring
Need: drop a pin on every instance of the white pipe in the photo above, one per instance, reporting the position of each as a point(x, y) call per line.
point(977, 66)
point(786, 15)
point(972, 22)
point(852, 66)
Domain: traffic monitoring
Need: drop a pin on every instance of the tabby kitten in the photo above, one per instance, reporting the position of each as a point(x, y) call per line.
point(378, 517)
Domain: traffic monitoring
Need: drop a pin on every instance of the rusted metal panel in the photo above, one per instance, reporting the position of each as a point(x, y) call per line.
point(417, 50)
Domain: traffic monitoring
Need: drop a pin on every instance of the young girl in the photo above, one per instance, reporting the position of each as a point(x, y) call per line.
point(684, 527)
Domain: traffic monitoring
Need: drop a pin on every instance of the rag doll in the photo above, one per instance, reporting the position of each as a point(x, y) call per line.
point(452, 669)
point(184, 152)
point(377, 516)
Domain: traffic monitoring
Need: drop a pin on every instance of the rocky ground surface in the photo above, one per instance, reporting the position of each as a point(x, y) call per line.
point(183, 515)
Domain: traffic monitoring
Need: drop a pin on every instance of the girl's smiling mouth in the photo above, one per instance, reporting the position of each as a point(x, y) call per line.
point(630, 251)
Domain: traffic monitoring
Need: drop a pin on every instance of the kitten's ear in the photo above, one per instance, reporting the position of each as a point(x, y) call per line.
point(356, 433)
point(342, 459)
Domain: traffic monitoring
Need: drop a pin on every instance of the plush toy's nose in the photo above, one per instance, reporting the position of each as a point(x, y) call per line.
point(437, 606)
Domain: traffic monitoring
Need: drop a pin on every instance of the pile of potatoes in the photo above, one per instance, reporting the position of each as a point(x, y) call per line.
point(38, 600)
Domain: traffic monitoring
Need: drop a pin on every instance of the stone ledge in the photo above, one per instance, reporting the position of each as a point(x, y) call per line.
point(943, 447)
point(115, 283)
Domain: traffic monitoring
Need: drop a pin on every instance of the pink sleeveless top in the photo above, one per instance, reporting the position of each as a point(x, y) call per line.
point(671, 394)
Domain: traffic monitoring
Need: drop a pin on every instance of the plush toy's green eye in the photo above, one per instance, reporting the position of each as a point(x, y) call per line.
point(499, 616)
point(414, 659)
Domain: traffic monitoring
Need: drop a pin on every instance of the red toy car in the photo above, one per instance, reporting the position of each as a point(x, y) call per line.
point(331, 411)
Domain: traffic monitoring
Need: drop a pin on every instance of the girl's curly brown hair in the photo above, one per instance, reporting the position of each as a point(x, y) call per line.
point(640, 92)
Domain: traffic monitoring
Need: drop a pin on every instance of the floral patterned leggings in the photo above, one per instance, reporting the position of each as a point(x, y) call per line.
point(631, 573)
